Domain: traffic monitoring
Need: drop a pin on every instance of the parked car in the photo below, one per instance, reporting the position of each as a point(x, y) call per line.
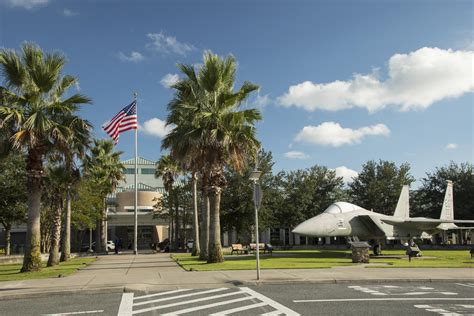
point(110, 246)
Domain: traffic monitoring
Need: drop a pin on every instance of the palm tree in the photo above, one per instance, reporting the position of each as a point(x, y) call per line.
point(71, 151)
point(223, 135)
point(105, 169)
point(168, 170)
point(187, 153)
point(33, 104)
point(56, 183)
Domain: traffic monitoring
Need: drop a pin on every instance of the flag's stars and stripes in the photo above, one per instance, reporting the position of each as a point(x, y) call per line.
point(125, 120)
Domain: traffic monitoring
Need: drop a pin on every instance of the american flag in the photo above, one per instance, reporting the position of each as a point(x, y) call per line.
point(125, 120)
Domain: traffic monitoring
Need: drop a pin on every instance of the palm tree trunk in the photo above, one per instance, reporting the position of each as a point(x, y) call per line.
point(55, 237)
point(66, 242)
point(103, 231)
point(32, 258)
point(196, 244)
point(205, 212)
point(8, 229)
point(215, 248)
point(97, 235)
point(176, 224)
point(171, 223)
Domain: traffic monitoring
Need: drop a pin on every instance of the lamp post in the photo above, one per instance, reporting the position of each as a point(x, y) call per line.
point(257, 199)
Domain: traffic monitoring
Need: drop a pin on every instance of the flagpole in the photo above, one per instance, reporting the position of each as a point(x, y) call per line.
point(135, 228)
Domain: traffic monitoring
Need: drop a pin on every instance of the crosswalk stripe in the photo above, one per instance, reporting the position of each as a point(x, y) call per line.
point(159, 294)
point(272, 303)
point(239, 309)
point(178, 296)
point(126, 305)
point(272, 313)
point(197, 308)
point(468, 284)
point(185, 302)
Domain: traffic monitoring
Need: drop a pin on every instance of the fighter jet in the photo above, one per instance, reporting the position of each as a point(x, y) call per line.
point(349, 220)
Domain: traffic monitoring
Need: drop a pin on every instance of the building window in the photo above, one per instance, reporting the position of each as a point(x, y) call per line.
point(129, 171)
point(148, 171)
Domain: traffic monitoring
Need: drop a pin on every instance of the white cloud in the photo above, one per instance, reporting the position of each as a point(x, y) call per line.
point(26, 4)
point(415, 81)
point(134, 57)
point(69, 12)
point(155, 127)
point(347, 174)
point(168, 44)
point(333, 134)
point(296, 155)
point(451, 146)
point(169, 79)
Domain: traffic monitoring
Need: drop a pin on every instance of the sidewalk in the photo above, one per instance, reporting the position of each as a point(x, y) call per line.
point(157, 272)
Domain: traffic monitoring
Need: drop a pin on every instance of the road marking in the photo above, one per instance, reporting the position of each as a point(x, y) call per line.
point(239, 309)
point(468, 284)
point(179, 296)
point(272, 313)
point(77, 313)
point(126, 305)
point(272, 303)
point(159, 294)
point(387, 299)
point(397, 290)
point(440, 311)
point(185, 302)
point(193, 309)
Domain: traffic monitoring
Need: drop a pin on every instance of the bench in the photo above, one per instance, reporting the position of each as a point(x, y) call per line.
point(238, 248)
point(261, 246)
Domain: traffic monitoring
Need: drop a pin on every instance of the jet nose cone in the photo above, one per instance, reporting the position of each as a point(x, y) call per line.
point(308, 227)
point(318, 226)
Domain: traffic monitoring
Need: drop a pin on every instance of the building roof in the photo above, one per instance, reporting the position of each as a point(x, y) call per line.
point(141, 161)
point(141, 187)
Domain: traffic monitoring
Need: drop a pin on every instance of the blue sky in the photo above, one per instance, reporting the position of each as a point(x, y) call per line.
point(341, 82)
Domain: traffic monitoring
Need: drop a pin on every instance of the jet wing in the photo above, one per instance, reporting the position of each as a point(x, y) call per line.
point(424, 223)
point(373, 225)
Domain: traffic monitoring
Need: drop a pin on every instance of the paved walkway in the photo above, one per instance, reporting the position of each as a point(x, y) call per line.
point(155, 272)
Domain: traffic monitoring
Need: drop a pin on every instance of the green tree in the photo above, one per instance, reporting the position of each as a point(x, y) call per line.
point(72, 151)
point(223, 135)
point(104, 169)
point(13, 195)
point(186, 151)
point(33, 107)
point(379, 184)
point(87, 205)
point(307, 193)
point(237, 199)
point(168, 170)
point(428, 199)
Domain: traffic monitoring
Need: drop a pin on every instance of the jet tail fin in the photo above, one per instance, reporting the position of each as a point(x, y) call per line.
point(447, 211)
point(403, 205)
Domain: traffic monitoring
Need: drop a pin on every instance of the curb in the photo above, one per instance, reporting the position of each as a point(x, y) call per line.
point(42, 293)
point(132, 288)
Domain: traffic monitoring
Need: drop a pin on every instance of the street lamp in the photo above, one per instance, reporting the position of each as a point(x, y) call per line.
point(257, 199)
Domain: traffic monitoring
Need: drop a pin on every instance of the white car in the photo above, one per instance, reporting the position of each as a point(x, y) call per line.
point(110, 245)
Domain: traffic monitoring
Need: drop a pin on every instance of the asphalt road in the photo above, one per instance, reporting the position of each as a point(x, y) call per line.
point(413, 298)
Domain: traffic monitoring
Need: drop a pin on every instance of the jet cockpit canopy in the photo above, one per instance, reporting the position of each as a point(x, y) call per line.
point(341, 207)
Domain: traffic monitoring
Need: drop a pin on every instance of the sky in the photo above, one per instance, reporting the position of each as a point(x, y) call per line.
point(341, 82)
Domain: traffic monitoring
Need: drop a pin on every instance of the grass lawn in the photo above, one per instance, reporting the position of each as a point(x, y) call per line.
point(11, 272)
point(319, 259)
